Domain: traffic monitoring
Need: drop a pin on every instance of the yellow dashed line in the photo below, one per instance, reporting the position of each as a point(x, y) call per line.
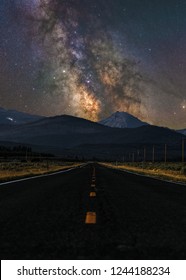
point(90, 218)
point(92, 194)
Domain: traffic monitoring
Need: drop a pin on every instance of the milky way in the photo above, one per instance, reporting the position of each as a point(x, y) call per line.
point(91, 58)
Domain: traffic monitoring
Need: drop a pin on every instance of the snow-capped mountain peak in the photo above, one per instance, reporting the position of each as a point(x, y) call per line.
point(182, 131)
point(122, 120)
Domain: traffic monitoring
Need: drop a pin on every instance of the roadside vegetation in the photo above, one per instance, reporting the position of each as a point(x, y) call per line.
point(174, 171)
point(10, 170)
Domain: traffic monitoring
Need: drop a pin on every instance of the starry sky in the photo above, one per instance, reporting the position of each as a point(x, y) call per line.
point(91, 58)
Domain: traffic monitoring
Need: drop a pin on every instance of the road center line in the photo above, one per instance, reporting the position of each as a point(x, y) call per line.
point(90, 218)
point(92, 194)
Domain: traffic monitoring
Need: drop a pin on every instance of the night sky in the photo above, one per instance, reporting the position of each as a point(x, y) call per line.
point(91, 58)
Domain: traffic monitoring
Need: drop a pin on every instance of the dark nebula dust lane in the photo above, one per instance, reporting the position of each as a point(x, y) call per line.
point(91, 58)
point(136, 217)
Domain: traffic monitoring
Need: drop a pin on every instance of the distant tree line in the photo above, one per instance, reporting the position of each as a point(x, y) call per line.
point(22, 152)
point(19, 148)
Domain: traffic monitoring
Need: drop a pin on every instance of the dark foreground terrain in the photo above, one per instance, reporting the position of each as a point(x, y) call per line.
point(136, 217)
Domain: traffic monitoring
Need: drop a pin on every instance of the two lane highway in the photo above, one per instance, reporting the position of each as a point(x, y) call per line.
point(93, 213)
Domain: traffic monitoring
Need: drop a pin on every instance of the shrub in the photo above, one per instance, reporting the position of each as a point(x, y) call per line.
point(183, 170)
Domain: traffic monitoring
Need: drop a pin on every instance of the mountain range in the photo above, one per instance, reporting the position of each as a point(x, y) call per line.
point(68, 136)
point(16, 117)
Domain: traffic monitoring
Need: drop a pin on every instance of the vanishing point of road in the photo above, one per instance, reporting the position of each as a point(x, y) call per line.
point(92, 212)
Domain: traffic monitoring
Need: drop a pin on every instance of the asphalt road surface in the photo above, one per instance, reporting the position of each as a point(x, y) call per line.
point(93, 213)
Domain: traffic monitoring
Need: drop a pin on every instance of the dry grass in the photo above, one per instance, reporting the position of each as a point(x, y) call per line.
point(170, 171)
point(13, 170)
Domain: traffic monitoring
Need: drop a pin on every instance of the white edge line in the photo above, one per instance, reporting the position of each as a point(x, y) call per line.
point(148, 176)
point(40, 176)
